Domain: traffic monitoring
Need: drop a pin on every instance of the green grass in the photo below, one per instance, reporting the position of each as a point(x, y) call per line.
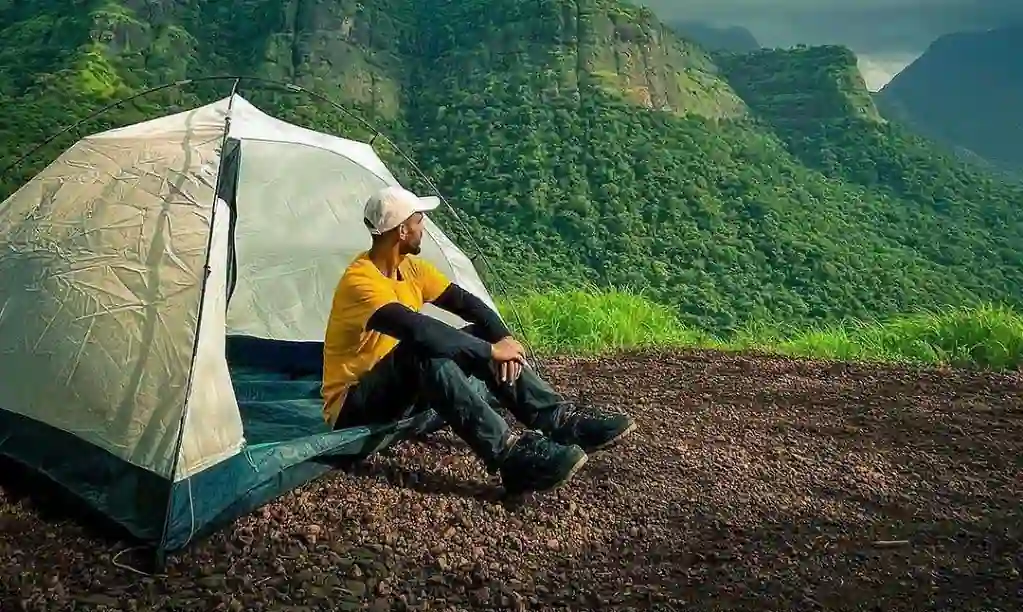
point(592, 321)
point(589, 320)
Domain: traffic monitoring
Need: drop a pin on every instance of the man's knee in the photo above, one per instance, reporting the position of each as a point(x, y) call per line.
point(446, 375)
point(430, 365)
point(444, 367)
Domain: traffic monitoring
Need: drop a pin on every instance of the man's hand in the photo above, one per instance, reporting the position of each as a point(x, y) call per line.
point(509, 357)
point(509, 371)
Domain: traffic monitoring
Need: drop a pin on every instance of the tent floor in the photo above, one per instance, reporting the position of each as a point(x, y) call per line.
point(275, 407)
point(287, 443)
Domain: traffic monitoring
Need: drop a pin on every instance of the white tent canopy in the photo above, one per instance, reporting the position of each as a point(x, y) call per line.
point(102, 262)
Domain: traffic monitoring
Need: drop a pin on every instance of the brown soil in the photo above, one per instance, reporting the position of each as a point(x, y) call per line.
point(753, 483)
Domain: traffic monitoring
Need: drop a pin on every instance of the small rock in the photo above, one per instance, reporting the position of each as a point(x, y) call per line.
point(314, 530)
point(98, 600)
point(212, 583)
point(356, 587)
point(481, 596)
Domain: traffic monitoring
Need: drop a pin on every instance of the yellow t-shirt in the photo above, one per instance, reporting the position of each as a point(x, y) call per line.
point(349, 350)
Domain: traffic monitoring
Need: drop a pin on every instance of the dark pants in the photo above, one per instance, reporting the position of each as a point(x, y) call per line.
point(465, 395)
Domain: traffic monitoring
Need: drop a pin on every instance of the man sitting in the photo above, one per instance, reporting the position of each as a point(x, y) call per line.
point(384, 361)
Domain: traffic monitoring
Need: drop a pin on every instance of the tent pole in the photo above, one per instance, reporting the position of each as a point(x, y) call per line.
point(104, 110)
point(161, 553)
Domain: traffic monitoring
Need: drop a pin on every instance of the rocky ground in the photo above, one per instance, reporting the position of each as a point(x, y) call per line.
point(753, 483)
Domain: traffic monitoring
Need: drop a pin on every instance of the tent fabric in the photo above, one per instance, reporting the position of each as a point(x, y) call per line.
point(132, 264)
point(213, 425)
point(101, 270)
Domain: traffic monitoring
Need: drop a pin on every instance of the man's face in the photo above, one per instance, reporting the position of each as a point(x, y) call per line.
point(411, 235)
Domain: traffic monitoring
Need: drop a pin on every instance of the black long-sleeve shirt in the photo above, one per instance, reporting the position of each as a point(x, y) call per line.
point(437, 338)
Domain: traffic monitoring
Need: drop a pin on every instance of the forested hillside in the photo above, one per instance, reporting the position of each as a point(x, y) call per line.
point(966, 92)
point(583, 141)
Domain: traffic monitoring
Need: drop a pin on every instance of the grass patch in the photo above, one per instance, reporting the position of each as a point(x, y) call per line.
point(590, 320)
point(983, 336)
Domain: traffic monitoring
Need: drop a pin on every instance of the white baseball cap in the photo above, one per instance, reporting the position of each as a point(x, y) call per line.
point(392, 206)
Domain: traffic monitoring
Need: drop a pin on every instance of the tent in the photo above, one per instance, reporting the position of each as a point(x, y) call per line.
point(164, 288)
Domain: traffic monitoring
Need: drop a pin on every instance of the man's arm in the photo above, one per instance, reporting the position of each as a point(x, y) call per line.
point(433, 337)
point(389, 316)
point(441, 292)
point(460, 302)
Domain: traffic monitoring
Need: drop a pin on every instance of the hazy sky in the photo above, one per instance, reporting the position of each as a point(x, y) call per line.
point(886, 34)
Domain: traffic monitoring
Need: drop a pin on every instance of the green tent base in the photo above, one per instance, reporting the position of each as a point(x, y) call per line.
point(287, 445)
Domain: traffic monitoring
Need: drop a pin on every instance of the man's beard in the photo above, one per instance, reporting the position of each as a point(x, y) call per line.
point(412, 249)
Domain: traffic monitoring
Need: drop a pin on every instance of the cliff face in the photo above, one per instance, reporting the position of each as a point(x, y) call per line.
point(369, 53)
point(571, 44)
point(348, 49)
point(966, 92)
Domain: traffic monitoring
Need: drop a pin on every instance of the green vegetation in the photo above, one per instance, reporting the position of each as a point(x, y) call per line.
point(725, 221)
point(585, 145)
point(587, 320)
point(595, 321)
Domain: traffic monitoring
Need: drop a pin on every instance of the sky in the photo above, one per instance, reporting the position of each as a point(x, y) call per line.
point(887, 35)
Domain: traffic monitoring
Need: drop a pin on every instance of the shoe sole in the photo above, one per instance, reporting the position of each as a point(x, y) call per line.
point(571, 474)
point(631, 428)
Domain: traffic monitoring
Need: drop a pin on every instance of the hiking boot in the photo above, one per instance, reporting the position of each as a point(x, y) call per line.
point(536, 463)
point(593, 432)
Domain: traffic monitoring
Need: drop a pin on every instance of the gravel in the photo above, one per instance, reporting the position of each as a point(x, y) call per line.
point(752, 483)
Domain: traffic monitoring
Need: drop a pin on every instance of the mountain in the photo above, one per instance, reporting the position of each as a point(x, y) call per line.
point(966, 92)
point(582, 141)
point(376, 57)
point(734, 39)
